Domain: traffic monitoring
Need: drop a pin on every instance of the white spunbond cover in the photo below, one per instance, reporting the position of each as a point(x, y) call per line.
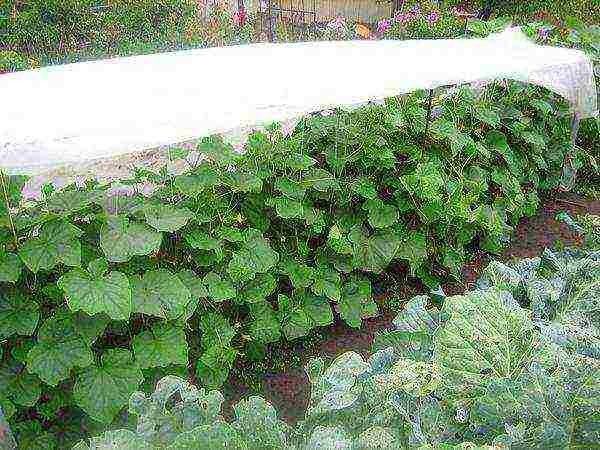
point(67, 114)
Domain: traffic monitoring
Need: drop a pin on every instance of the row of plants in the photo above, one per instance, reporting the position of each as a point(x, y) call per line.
point(512, 364)
point(105, 289)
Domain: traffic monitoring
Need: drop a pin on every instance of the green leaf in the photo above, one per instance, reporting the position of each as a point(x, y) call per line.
point(193, 283)
point(373, 253)
point(298, 161)
point(365, 188)
point(417, 318)
point(18, 314)
point(541, 105)
point(199, 240)
point(59, 349)
point(230, 234)
point(487, 334)
point(197, 290)
point(287, 208)
point(320, 180)
point(202, 178)
point(160, 346)
point(255, 256)
point(222, 153)
point(427, 181)
point(90, 328)
point(381, 215)
point(18, 386)
point(533, 138)
point(68, 202)
point(496, 140)
point(290, 188)
point(166, 217)
point(121, 240)
point(487, 115)
point(256, 420)
point(317, 308)
point(212, 369)
point(94, 293)
point(14, 187)
point(300, 275)
point(243, 182)
point(216, 330)
point(160, 293)
point(414, 250)
point(103, 390)
point(327, 283)
point(10, 267)
point(259, 289)
point(295, 321)
point(219, 289)
point(356, 302)
point(57, 243)
point(178, 153)
point(264, 327)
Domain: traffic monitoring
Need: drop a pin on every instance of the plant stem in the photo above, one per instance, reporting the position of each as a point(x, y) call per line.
point(8, 212)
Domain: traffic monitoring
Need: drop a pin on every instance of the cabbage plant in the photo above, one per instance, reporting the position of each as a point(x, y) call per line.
point(514, 363)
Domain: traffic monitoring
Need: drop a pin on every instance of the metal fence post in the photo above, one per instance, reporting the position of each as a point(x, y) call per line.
point(396, 6)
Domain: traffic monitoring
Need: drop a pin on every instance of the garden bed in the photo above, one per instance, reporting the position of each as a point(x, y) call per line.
point(289, 391)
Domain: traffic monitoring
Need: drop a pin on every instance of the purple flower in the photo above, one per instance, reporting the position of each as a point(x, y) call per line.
point(437, 111)
point(146, 189)
point(433, 17)
point(415, 11)
point(543, 33)
point(383, 26)
point(402, 18)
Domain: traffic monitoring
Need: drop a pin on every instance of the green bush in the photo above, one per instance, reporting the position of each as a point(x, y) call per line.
point(12, 61)
point(48, 27)
point(524, 11)
point(243, 250)
point(513, 364)
point(62, 30)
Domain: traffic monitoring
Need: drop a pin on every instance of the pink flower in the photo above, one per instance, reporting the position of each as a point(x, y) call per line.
point(433, 17)
point(383, 26)
point(402, 18)
point(239, 17)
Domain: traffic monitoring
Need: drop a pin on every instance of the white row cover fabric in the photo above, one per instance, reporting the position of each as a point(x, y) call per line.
point(67, 114)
